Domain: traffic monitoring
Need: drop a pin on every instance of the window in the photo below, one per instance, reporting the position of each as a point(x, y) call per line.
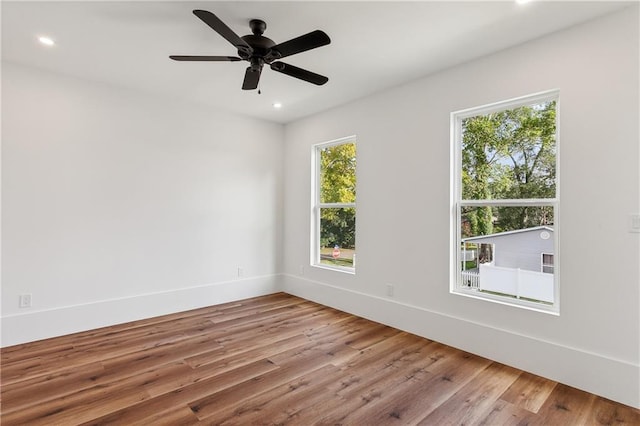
point(334, 205)
point(547, 263)
point(505, 202)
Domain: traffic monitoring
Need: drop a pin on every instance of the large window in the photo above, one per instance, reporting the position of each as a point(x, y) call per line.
point(505, 202)
point(334, 205)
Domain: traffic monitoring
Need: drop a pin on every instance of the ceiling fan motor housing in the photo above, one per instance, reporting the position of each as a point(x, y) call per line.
point(261, 45)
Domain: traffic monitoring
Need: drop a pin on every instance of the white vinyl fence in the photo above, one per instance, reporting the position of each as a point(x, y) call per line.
point(470, 279)
point(518, 282)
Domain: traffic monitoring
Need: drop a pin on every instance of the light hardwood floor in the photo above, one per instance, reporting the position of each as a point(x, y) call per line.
point(277, 359)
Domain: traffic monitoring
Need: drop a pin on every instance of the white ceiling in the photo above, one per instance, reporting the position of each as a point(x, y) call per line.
point(374, 45)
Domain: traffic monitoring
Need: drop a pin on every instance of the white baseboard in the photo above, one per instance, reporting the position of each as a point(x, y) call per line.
point(37, 325)
point(613, 379)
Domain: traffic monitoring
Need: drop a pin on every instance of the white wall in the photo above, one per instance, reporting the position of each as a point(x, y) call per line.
point(403, 208)
point(119, 205)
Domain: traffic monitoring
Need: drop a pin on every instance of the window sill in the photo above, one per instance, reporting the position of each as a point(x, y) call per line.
point(508, 301)
point(350, 271)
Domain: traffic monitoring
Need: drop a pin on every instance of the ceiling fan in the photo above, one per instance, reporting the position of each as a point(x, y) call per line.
point(259, 50)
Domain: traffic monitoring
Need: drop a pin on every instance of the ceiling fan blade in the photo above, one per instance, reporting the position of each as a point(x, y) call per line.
point(205, 58)
point(251, 78)
point(300, 44)
point(300, 73)
point(221, 28)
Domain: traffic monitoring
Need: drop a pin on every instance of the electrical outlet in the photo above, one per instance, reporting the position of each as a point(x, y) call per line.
point(390, 290)
point(634, 223)
point(25, 301)
point(240, 272)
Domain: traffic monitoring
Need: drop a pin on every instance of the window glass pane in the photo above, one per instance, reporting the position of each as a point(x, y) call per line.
point(338, 173)
point(338, 236)
point(501, 250)
point(547, 263)
point(510, 154)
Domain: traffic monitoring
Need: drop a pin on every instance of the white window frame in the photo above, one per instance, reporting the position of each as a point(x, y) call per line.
point(456, 202)
point(316, 205)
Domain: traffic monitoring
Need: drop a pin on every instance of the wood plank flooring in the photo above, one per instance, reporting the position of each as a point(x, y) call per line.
point(278, 360)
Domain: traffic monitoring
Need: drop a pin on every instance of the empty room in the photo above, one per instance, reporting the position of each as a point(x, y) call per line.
point(320, 212)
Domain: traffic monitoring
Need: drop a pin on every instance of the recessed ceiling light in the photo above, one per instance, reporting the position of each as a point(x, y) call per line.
point(522, 1)
point(277, 105)
point(46, 41)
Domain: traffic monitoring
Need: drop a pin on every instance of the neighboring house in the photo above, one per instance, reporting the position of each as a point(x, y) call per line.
point(517, 263)
point(528, 249)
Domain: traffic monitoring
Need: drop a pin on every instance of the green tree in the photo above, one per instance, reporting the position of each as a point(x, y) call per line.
point(532, 162)
point(509, 154)
point(478, 156)
point(338, 185)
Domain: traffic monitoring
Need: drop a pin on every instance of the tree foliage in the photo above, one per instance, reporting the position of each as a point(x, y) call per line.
point(338, 174)
point(509, 154)
point(338, 185)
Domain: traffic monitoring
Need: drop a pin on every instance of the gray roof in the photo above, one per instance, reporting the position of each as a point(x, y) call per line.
point(501, 234)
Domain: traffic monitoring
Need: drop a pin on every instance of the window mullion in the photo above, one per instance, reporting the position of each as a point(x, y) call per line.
point(336, 205)
point(510, 202)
